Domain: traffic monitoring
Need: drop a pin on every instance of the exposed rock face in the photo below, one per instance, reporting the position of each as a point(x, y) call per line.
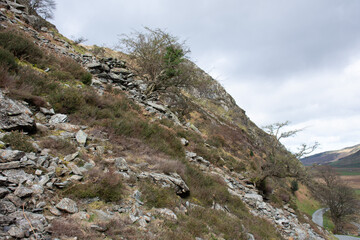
point(174, 181)
point(15, 115)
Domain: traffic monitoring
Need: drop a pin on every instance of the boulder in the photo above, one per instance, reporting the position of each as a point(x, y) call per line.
point(67, 205)
point(4, 192)
point(15, 116)
point(174, 180)
point(38, 221)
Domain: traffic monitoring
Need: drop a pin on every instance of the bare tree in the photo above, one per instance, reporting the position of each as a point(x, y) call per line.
point(44, 8)
point(159, 57)
point(280, 162)
point(336, 195)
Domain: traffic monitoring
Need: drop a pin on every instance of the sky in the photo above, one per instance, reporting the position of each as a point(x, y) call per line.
point(281, 60)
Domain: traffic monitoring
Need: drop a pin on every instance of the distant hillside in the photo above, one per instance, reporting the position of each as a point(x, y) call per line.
point(348, 154)
point(351, 161)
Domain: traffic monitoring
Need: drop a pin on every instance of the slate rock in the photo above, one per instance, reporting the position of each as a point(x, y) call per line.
point(10, 155)
point(6, 207)
point(15, 115)
point(58, 118)
point(4, 192)
point(23, 192)
point(67, 205)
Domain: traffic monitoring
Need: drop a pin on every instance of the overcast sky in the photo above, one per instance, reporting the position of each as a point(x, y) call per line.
point(296, 60)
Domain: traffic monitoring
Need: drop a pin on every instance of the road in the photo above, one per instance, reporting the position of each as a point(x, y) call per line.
point(317, 218)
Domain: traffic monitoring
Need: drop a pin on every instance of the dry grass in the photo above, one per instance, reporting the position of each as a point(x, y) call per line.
point(352, 181)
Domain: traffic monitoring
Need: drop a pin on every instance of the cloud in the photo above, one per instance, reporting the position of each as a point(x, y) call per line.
point(281, 60)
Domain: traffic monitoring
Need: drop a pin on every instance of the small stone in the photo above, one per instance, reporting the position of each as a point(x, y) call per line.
point(184, 141)
point(81, 137)
point(70, 157)
point(58, 118)
point(67, 205)
point(47, 111)
point(38, 172)
point(98, 228)
point(54, 211)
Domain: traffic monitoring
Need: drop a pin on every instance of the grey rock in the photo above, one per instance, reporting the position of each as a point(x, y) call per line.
point(6, 220)
point(174, 181)
point(38, 172)
point(121, 164)
point(190, 154)
point(23, 192)
point(121, 71)
point(16, 232)
point(4, 192)
point(58, 118)
point(250, 236)
point(71, 157)
point(54, 211)
point(15, 116)
point(10, 165)
point(6, 207)
point(67, 205)
point(98, 228)
point(47, 111)
point(38, 221)
point(158, 107)
point(184, 141)
point(3, 181)
point(95, 65)
point(18, 176)
point(37, 189)
point(81, 137)
point(75, 169)
point(10, 155)
point(167, 213)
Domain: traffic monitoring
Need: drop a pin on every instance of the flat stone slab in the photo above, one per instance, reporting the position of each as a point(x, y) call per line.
point(67, 205)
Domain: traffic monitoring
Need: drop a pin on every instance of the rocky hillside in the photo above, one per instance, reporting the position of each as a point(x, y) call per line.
point(335, 157)
point(86, 154)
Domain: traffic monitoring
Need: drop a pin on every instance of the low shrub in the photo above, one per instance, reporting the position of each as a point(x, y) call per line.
point(70, 228)
point(105, 185)
point(67, 100)
point(61, 76)
point(20, 46)
point(58, 146)
point(19, 141)
point(7, 59)
point(86, 78)
point(158, 197)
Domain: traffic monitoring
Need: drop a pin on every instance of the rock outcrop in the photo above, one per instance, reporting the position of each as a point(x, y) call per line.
point(15, 115)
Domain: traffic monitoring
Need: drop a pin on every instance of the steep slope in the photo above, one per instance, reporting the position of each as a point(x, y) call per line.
point(105, 161)
point(331, 156)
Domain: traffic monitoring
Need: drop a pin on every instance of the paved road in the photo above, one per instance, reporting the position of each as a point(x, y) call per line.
point(317, 218)
point(343, 237)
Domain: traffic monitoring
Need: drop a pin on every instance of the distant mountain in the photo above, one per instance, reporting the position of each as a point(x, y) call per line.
point(346, 157)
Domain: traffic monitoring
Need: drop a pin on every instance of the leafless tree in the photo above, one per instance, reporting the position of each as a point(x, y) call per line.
point(336, 195)
point(45, 8)
point(159, 57)
point(280, 162)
